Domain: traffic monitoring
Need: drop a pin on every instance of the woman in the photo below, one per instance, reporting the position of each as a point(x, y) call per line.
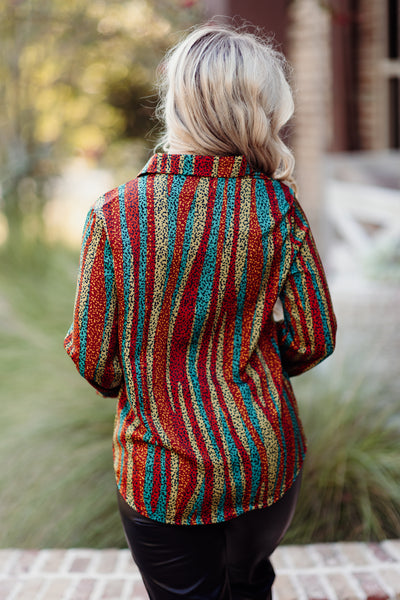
point(180, 271)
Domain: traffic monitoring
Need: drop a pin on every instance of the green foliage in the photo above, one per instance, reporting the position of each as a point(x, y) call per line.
point(75, 77)
point(56, 479)
point(350, 488)
point(57, 483)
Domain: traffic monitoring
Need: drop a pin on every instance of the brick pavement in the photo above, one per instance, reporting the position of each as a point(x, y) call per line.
point(342, 571)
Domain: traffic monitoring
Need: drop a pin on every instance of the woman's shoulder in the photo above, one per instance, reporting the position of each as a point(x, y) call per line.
point(274, 195)
point(275, 185)
point(114, 196)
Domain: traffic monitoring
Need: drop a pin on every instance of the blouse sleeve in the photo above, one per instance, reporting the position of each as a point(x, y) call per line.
point(92, 340)
point(307, 333)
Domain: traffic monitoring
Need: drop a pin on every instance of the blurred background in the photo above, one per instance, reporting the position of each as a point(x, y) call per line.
point(77, 102)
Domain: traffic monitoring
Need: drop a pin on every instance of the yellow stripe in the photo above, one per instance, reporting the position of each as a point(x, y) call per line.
point(324, 299)
point(261, 299)
point(225, 261)
point(243, 231)
point(236, 166)
point(129, 311)
point(174, 488)
point(108, 326)
point(295, 316)
point(200, 215)
point(230, 403)
point(91, 246)
point(271, 441)
point(160, 273)
point(130, 469)
point(214, 169)
point(200, 466)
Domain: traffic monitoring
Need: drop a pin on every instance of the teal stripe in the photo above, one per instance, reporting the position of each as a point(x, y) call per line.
point(185, 251)
point(263, 208)
point(140, 297)
point(198, 506)
point(300, 287)
point(231, 205)
point(162, 500)
point(90, 218)
point(202, 304)
point(284, 229)
point(161, 509)
point(123, 414)
point(148, 479)
point(296, 430)
point(282, 434)
point(83, 338)
point(283, 204)
point(126, 256)
point(244, 389)
point(173, 203)
point(109, 284)
point(235, 462)
point(188, 165)
point(265, 223)
point(301, 217)
point(327, 334)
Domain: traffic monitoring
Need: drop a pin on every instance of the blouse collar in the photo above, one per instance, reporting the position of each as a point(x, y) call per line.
point(200, 166)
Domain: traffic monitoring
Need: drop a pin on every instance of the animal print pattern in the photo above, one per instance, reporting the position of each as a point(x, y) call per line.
point(180, 271)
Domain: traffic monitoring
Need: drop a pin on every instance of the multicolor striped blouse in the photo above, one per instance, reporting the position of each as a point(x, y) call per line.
point(180, 271)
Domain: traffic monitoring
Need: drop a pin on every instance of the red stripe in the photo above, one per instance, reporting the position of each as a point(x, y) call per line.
point(96, 309)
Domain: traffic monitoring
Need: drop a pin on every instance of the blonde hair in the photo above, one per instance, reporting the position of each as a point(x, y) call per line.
point(224, 92)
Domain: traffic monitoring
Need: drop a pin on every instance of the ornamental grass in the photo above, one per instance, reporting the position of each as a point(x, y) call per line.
point(57, 482)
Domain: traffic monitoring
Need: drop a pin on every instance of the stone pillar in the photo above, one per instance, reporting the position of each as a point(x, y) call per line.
point(309, 53)
point(373, 86)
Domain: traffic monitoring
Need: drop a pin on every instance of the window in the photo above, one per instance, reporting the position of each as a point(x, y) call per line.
point(393, 63)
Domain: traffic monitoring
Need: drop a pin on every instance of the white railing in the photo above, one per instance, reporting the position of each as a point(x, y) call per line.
point(366, 223)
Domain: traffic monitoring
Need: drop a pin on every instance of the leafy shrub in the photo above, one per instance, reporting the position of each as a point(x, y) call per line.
point(350, 488)
point(56, 480)
point(57, 483)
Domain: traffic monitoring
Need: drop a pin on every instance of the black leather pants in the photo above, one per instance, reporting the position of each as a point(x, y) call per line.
point(225, 561)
